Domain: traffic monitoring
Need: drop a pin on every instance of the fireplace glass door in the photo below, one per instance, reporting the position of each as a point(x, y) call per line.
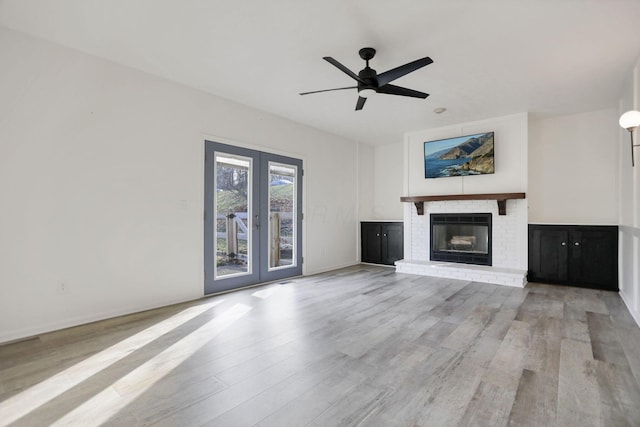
point(461, 238)
point(464, 238)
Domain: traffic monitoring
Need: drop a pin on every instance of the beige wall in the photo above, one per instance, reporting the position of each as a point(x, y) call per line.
point(510, 159)
point(388, 167)
point(573, 162)
point(366, 176)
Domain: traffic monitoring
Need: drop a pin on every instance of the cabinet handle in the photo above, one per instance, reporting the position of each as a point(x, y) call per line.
point(377, 234)
point(577, 243)
point(384, 235)
point(564, 243)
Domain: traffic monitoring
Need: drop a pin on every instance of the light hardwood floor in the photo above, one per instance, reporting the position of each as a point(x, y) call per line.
point(360, 346)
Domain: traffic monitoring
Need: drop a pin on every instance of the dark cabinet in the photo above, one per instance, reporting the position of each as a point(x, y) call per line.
point(382, 242)
point(577, 255)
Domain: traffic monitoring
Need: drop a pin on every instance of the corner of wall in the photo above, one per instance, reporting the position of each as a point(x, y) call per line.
point(629, 204)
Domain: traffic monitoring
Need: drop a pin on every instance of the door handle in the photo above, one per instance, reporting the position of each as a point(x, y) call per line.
point(258, 222)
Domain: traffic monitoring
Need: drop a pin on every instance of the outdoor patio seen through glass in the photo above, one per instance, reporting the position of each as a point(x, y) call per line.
point(233, 219)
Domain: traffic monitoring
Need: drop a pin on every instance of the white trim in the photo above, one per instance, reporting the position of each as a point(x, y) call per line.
point(634, 314)
point(28, 333)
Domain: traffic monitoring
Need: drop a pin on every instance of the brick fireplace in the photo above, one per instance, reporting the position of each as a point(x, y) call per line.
point(508, 241)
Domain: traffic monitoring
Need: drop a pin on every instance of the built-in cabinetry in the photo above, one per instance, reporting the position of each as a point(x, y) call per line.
point(576, 255)
point(382, 242)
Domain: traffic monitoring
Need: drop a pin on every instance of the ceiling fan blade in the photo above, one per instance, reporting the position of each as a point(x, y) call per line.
point(342, 68)
point(391, 75)
point(328, 90)
point(397, 90)
point(360, 103)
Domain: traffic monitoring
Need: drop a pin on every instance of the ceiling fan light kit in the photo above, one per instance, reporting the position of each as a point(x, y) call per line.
point(365, 93)
point(369, 82)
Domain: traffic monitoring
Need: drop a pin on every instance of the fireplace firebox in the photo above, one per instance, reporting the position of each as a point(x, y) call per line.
point(462, 238)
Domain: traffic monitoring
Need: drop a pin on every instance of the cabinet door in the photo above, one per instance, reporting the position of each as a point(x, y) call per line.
point(575, 255)
point(593, 259)
point(392, 243)
point(548, 251)
point(371, 242)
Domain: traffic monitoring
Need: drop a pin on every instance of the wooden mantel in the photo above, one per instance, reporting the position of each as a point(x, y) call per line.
point(501, 198)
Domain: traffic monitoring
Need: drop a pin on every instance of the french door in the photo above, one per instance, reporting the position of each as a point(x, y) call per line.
point(253, 217)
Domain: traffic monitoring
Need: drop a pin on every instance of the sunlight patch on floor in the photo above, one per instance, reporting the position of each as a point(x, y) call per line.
point(118, 395)
point(32, 398)
point(265, 293)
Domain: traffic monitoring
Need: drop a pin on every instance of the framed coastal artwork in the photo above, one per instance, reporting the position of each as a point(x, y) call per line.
point(459, 156)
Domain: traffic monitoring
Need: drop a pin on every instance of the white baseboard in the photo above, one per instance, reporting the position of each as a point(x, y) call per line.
point(31, 332)
point(627, 302)
point(330, 268)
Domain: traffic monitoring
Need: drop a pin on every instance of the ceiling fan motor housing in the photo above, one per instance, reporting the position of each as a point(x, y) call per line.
point(368, 75)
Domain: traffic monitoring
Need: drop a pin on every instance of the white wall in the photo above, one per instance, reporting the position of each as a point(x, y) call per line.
point(629, 217)
point(510, 159)
point(101, 183)
point(573, 163)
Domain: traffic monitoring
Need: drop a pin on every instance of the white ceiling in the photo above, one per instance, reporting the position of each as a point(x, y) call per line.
point(491, 57)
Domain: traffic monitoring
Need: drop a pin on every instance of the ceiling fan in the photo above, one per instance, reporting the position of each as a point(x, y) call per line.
point(370, 82)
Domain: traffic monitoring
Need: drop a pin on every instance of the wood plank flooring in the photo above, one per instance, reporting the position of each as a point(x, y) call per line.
point(361, 346)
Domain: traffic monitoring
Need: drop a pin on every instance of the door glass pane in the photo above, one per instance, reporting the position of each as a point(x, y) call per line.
point(233, 215)
point(282, 215)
